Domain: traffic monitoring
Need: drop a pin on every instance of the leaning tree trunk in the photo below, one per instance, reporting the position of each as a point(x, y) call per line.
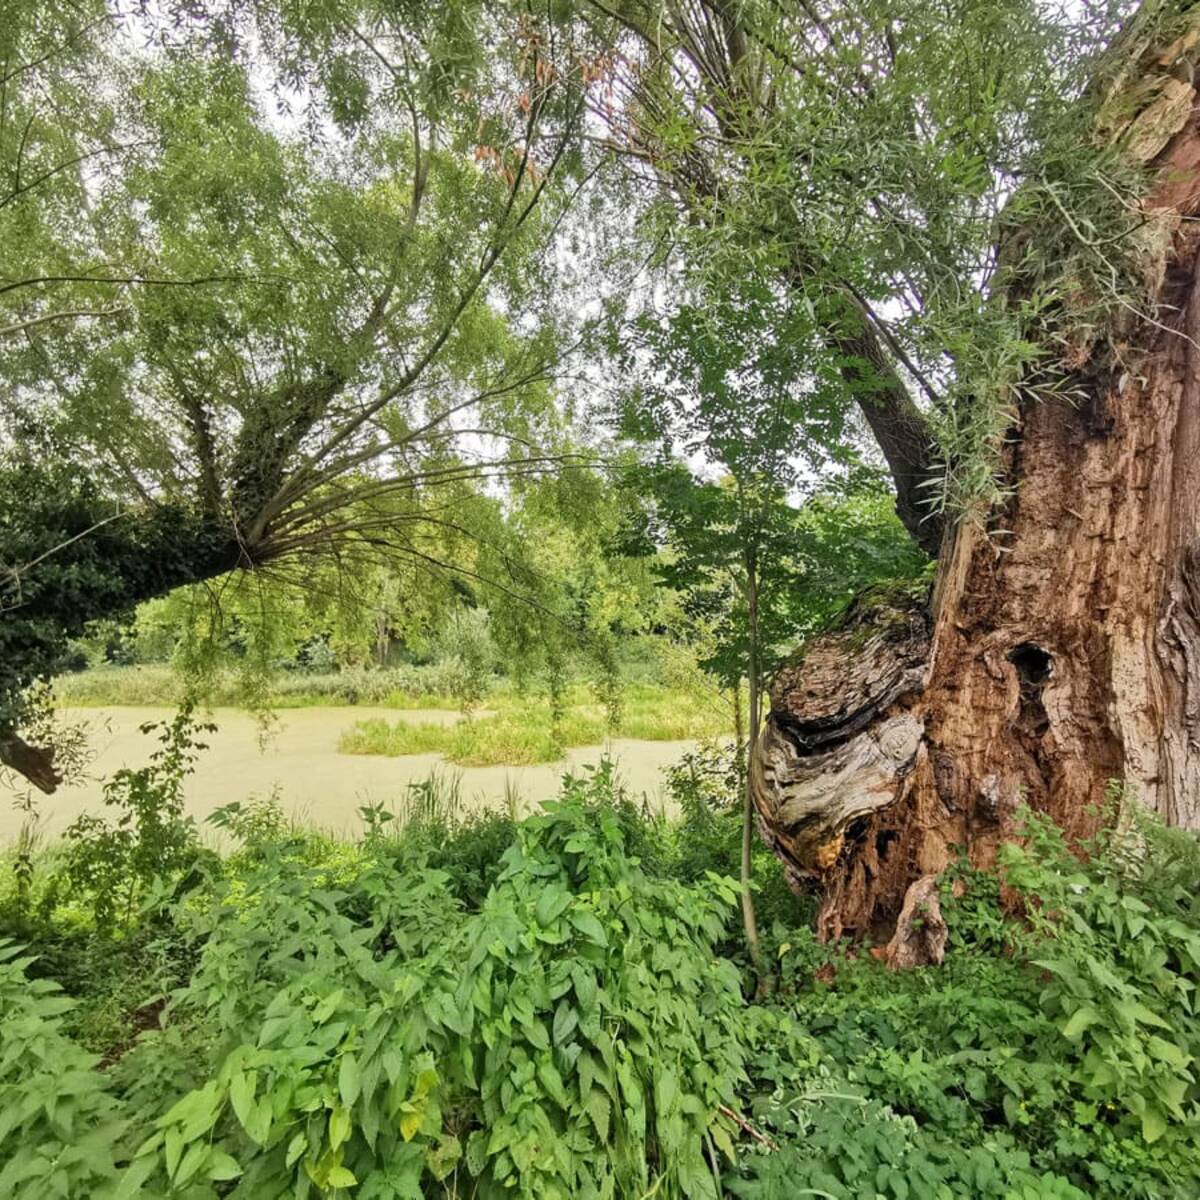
point(1054, 657)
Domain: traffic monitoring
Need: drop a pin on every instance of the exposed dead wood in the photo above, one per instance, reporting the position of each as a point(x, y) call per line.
point(846, 677)
point(920, 937)
point(34, 763)
point(1065, 642)
point(814, 798)
point(840, 738)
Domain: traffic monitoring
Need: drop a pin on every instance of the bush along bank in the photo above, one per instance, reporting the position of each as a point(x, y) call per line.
point(556, 1008)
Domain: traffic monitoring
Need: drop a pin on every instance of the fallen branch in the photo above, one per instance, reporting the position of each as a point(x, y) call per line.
point(746, 1127)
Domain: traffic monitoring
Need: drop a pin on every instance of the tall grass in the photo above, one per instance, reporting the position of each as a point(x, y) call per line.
point(524, 733)
point(515, 729)
point(157, 684)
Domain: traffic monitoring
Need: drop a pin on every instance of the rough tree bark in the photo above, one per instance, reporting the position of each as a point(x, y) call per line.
point(1052, 658)
point(749, 917)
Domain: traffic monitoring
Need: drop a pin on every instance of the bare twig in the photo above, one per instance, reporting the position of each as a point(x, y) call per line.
point(66, 315)
point(746, 1127)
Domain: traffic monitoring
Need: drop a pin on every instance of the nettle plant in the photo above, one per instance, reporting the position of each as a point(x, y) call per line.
point(574, 1037)
point(1051, 1055)
point(52, 1103)
point(1120, 949)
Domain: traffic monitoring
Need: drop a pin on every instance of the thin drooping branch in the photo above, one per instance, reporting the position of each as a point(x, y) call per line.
point(306, 475)
point(67, 314)
point(869, 357)
point(12, 285)
point(24, 186)
point(75, 35)
point(436, 425)
point(343, 499)
point(894, 345)
point(329, 445)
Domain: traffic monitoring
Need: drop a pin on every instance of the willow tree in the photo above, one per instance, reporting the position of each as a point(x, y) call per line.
point(269, 289)
point(992, 209)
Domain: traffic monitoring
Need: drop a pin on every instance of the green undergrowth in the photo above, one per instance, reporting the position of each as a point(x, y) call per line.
point(160, 685)
point(558, 1007)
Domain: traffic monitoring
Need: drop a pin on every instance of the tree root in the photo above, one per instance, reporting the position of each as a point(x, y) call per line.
point(920, 937)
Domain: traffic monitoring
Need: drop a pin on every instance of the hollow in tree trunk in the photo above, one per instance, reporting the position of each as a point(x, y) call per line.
point(1061, 646)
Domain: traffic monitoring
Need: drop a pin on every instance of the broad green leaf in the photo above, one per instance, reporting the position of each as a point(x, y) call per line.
point(349, 1080)
point(242, 1088)
point(599, 1109)
point(587, 924)
point(1154, 1124)
point(550, 905)
point(222, 1166)
point(1080, 1020)
point(341, 1177)
point(339, 1126)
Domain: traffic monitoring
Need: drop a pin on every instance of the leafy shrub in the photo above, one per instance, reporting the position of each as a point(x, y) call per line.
point(1061, 1042)
point(468, 657)
point(258, 823)
point(113, 863)
point(472, 1005)
point(59, 1127)
point(847, 1148)
point(706, 788)
point(573, 1037)
point(1120, 960)
point(466, 846)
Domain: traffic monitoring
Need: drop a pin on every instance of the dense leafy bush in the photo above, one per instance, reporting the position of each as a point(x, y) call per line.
point(472, 1005)
point(1051, 1055)
point(58, 1124)
point(706, 787)
point(113, 862)
point(355, 1025)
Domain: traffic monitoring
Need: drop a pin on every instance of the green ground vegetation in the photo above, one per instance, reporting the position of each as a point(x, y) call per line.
point(335, 404)
point(111, 685)
point(556, 1007)
point(520, 731)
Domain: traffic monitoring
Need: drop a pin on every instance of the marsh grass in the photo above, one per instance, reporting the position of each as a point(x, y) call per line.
point(521, 732)
point(156, 684)
point(515, 728)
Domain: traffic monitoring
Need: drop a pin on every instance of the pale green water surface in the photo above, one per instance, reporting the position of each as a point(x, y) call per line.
point(315, 783)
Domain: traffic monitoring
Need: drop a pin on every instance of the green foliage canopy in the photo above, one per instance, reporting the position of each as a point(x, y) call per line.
point(739, 414)
point(268, 289)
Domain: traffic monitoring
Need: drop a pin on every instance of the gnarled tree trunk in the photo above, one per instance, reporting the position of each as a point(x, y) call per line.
point(1053, 657)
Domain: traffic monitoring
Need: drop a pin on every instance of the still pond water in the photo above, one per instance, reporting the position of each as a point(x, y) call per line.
point(315, 783)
